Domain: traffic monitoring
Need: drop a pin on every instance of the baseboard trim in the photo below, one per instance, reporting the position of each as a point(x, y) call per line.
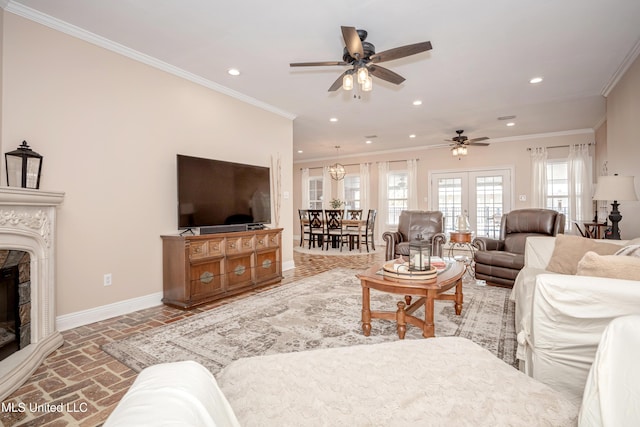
point(288, 265)
point(85, 317)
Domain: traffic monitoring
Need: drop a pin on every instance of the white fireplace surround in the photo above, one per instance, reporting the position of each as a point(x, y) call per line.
point(27, 223)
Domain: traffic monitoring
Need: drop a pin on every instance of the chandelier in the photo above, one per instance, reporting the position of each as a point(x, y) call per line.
point(336, 170)
point(459, 150)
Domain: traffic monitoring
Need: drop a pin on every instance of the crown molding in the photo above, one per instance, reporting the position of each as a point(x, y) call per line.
point(587, 131)
point(622, 69)
point(82, 34)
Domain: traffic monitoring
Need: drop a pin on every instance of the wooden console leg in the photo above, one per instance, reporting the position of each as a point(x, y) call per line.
point(366, 312)
point(401, 320)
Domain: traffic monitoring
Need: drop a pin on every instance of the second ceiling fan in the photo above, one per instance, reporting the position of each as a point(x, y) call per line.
point(460, 143)
point(362, 56)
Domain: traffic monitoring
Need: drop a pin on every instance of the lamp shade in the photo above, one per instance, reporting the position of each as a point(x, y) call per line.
point(615, 187)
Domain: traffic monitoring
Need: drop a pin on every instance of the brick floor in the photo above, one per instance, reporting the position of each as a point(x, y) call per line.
point(88, 383)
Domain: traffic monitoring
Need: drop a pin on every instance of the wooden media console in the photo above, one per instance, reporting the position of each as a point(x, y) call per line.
point(205, 268)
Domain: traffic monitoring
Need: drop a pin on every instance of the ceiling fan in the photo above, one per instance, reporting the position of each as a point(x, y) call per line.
point(362, 58)
point(461, 142)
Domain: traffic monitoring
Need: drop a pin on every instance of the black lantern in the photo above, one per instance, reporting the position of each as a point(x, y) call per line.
point(23, 167)
point(420, 254)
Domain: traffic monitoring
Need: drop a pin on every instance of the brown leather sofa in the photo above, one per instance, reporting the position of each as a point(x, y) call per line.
point(429, 224)
point(499, 261)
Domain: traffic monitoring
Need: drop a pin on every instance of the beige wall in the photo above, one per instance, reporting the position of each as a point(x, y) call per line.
point(507, 154)
point(623, 148)
point(109, 129)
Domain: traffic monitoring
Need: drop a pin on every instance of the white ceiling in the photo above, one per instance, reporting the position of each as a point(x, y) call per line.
point(484, 53)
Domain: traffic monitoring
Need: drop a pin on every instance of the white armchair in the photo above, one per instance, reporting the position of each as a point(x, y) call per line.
point(560, 318)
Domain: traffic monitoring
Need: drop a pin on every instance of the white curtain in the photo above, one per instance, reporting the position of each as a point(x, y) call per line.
point(412, 168)
point(539, 177)
point(365, 188)
point(340, 191)
point(326, 188)
point(580, 173)
point(304, 177)
point(382, 219)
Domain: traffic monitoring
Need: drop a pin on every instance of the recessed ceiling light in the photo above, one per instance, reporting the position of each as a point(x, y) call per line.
point(300, 151)
point(368, 141)
point(233, 71)
point(333, 119)
point(413, 135)
point(511, 124)
point(417, 102)
point(535, 80)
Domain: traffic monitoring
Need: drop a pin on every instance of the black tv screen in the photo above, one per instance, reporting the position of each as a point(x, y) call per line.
point(215, 192)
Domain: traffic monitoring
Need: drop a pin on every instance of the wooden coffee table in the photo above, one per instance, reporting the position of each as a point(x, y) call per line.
point(427, 293)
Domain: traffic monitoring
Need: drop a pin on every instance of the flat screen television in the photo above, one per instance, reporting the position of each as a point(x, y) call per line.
point(217, 193)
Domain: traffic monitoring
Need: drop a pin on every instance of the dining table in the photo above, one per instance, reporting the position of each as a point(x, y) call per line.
point(359, 225)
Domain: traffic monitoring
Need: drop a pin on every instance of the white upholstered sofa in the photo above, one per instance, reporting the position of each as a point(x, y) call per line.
point(560, 318)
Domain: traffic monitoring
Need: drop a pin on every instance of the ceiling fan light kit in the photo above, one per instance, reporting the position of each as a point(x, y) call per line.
point(459, 151)
point(461, 142)
point(362, 57)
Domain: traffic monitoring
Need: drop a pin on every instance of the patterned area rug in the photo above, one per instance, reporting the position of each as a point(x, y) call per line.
point(317, 312)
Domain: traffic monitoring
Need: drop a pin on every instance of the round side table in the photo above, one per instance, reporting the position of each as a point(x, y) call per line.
point(462, 240)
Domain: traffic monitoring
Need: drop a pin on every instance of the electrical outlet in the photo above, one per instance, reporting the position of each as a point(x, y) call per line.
point(107, 279)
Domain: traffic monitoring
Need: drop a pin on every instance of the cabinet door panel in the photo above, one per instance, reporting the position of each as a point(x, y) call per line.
point(239, 271)
point(206, 279)
point(267, 265)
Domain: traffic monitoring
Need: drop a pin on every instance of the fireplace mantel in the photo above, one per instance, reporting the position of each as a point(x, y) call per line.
point(28, 223)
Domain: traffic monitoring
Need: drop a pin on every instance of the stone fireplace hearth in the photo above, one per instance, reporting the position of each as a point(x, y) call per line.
point(27, 231)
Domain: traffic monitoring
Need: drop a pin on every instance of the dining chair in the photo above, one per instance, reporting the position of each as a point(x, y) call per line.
point(364, 231)
point(353, 230)
point(316, 227)
point(334, 230)
point(354, 214)
point(305, 233)
point(370, 229)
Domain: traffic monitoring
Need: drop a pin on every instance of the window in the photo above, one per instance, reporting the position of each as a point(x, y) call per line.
point(315, 192)
point(482, 195)
point(489, 205)
point(450, 200)
point(352, 192)
point(558, 186)
point(397, 194)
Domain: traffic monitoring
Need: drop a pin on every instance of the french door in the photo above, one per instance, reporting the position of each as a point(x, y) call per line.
point(482, 195)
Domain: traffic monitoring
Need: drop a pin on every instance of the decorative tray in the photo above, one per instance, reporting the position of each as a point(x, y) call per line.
point(401, 271)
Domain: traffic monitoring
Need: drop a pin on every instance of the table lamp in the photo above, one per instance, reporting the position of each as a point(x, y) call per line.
point(615, 187)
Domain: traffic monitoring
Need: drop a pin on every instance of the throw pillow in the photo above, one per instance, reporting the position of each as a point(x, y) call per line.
point(612, 266)
point(569, 250)
point(630, 250)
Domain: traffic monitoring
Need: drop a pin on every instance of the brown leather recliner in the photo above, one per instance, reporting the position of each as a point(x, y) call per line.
point(429, 224)
point(499, 261)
